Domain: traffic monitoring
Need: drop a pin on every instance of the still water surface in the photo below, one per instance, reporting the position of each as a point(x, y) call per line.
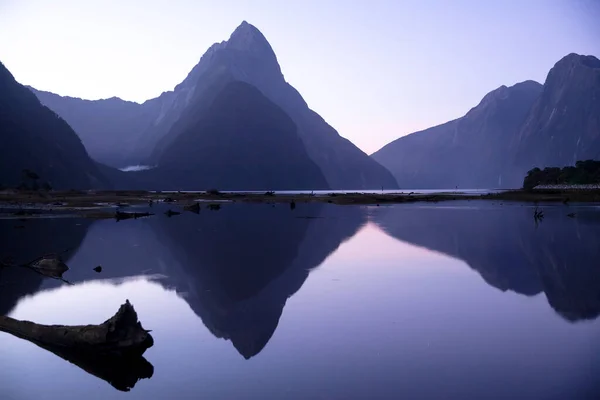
point(453, 301)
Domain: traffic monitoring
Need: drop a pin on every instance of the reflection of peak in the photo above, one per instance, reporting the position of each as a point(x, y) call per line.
point(237, 267)
point(244, 262)
point(503, 245)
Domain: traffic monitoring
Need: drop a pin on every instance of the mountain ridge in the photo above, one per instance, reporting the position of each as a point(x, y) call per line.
point(526, 125)
point(469, 151)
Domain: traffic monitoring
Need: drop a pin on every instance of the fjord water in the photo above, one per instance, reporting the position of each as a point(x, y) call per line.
point(449, 300)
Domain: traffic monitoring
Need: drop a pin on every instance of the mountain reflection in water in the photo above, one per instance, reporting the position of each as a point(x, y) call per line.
point(237, 268)
point(503, 244)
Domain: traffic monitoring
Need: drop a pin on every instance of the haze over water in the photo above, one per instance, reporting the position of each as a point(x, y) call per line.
point(454, 300)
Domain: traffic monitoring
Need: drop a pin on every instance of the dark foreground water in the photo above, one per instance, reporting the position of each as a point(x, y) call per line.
point(454, 301)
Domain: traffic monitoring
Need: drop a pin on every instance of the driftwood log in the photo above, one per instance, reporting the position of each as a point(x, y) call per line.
point(111, 351)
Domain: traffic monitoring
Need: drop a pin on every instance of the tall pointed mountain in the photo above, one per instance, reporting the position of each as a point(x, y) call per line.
point(247, 57)
point(564, 124)
point(469, 152)
point(35, 138)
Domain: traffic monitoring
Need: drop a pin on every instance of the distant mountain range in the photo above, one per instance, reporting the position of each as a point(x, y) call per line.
point(512, 130)
point(167, 131)
point(235, 123)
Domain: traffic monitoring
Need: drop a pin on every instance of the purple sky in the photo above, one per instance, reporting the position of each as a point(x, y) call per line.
point(375, 70)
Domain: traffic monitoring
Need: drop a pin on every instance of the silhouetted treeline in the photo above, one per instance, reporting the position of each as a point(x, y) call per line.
point(583, 173)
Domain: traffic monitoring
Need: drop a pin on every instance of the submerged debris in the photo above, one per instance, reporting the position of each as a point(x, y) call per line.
point(538, 215)
point(214, 207)
point(571, 215)
point(195, 208)
point(50, 266)
point(21, 212)
point(120, 215)
point(169, 213)
point(292, 205)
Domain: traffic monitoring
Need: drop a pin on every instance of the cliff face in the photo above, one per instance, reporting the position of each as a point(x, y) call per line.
point(564, 123)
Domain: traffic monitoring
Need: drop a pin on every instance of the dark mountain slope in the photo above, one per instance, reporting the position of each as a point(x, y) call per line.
point(469, 152)
point(35, 138)
point(241, 140)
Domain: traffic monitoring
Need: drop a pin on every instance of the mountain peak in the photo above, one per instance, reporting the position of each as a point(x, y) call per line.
point(247, 37)
point(578, 59)
point(584, 69)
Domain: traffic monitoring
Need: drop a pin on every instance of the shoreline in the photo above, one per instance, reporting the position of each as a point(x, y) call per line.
point(97, 204)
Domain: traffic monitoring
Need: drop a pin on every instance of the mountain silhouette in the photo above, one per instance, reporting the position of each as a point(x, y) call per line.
point(155, 124)
point(512, 130)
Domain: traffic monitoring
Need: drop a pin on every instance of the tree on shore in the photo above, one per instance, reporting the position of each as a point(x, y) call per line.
point(583, 173)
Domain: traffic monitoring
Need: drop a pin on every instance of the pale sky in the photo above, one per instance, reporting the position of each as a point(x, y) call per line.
point(375, 70)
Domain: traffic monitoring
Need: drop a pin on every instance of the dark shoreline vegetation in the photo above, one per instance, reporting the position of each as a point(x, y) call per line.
point(114, 204)
point(583, 173)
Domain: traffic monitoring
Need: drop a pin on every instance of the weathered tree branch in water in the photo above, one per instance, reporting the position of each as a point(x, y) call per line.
point(121, 334)
point(111, 351)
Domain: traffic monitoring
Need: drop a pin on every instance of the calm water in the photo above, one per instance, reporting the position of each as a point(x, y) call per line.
point(457, 301)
